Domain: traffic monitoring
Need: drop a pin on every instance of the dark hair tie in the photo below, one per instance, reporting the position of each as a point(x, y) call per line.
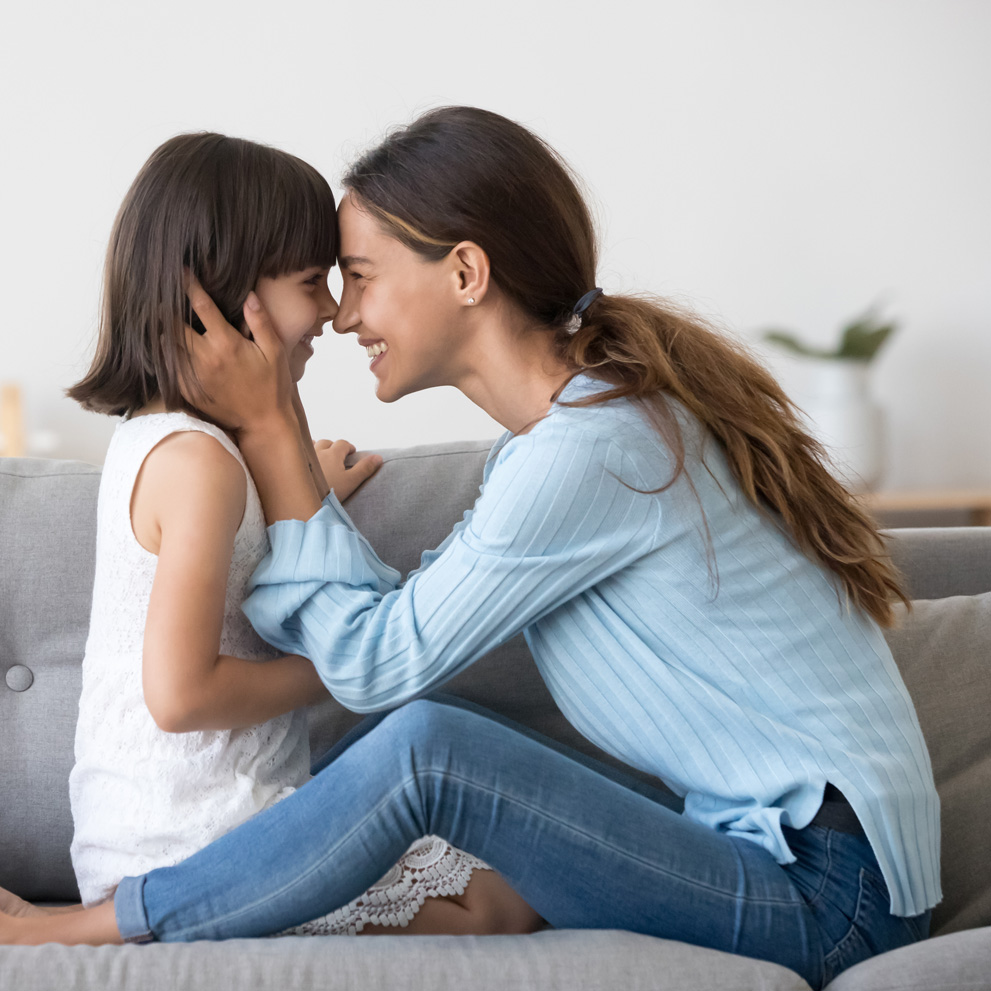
point(586, 301)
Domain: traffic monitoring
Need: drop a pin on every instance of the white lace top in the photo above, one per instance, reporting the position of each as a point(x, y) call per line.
point(142, 798)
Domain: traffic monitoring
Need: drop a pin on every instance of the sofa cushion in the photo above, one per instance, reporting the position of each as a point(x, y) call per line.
point(942, 648)
point(547, 961)
point(959, 962)
point(47, 543)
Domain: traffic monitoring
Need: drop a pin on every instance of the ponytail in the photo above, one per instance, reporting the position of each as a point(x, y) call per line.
point(647, 349)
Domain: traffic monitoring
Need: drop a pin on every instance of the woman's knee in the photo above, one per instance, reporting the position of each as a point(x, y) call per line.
point(425, 722)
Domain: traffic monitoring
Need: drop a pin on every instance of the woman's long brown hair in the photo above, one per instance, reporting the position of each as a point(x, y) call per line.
point(460, 173)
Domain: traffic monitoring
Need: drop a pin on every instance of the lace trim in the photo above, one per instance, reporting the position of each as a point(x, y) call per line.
point(430, 868)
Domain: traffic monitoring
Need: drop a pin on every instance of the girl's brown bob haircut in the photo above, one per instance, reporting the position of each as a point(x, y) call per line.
point(228, 210)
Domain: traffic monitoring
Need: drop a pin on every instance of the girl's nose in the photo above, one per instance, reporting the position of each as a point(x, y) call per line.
point(328, 306)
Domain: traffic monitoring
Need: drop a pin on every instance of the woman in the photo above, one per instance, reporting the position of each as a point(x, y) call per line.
point(702, 598)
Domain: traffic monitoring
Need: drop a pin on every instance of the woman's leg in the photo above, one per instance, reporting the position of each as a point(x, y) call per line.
point(583, 850)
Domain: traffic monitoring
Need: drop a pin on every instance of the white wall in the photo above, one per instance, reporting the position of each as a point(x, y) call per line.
point(777, 162)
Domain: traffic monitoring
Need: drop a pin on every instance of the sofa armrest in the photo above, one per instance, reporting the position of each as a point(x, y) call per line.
point(943, 561)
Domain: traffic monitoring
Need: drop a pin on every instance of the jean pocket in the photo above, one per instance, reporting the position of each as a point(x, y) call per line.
point(873, 929)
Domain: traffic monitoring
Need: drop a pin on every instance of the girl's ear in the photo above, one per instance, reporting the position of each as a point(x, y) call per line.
point(471, 272)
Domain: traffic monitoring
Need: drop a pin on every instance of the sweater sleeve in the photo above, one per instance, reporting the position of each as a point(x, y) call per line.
point(558, 512)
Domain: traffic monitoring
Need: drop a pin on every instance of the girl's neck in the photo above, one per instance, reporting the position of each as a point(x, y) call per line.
point(155, 406)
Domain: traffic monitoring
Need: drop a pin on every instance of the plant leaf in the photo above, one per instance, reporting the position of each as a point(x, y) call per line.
point(864, 337)
point(789, 342)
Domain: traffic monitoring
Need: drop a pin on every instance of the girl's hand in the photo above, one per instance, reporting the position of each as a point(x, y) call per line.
point(342, 479)
point(243, 383)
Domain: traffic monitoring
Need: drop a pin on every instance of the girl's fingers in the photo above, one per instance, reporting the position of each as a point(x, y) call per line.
point(365, 467)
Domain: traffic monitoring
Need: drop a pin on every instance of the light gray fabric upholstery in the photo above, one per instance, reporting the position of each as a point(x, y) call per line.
point(961, 962)
point(47, 528)
point(943, 561)
point(548, 961)
point(47, 543)
point(943, 649)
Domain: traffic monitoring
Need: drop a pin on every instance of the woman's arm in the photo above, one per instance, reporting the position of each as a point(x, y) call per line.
point(187, 506)
point(245, 384)
point(554, 518)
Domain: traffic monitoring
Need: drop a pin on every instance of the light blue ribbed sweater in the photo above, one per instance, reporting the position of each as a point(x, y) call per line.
point(710, 653)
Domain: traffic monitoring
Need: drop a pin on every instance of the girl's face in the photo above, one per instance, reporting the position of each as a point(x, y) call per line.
point(299, 304)
point(403, 308)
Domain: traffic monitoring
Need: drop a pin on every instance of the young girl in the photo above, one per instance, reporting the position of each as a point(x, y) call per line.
point(188, 723)
point(701, 596)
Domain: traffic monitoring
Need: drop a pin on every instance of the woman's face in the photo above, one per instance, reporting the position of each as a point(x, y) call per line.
point(299, 304)
point(404, 309)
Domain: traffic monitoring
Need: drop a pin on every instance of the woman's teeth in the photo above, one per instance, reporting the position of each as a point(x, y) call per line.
point(374, 350)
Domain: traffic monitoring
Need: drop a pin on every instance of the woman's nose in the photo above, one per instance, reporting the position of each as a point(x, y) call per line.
point(346, 318)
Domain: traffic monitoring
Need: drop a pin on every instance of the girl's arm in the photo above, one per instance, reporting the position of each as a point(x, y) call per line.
point(313, 462)
point(187, 505)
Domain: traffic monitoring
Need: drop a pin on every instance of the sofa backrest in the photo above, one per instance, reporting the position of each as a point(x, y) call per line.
point(47, 540)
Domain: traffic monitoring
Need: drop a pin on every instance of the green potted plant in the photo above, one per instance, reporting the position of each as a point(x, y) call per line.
point(860, 339)
point(833, 391)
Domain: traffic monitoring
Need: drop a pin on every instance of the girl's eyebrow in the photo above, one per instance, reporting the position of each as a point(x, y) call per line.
point(347, 261)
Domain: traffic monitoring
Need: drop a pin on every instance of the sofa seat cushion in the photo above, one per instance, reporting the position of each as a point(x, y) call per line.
point(943, 648)
point(961, 962)
point(548, 961)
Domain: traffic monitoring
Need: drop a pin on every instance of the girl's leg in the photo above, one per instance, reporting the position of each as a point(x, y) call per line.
point(582, 849)
point(489, 906)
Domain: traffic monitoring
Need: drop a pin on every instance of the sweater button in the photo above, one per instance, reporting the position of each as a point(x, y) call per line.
point(19, 678)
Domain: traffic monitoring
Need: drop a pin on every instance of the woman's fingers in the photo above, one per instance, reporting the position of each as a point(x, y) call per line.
point(236, 380)
point(260, 326)
point(205, 308)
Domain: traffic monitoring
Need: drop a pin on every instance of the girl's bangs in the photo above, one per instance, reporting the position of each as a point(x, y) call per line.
point(302, 219)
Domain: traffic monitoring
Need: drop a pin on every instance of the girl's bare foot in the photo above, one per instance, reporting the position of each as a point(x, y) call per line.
point(94, 926)
point(18, 908)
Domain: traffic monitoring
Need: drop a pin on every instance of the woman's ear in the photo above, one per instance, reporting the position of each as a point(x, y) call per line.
point(471, 272)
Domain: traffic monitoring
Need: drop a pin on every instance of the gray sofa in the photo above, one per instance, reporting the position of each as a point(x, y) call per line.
point(47, 519)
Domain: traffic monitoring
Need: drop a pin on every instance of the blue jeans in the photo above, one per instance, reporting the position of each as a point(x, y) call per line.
point(585, 846)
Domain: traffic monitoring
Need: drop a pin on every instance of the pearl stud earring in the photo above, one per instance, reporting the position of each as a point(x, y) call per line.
point(471, 299)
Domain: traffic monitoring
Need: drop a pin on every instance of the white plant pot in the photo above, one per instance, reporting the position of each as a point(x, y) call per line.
point(836, 399)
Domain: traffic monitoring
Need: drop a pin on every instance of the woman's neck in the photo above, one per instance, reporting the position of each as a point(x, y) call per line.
point(516, 377)
point(510, 366)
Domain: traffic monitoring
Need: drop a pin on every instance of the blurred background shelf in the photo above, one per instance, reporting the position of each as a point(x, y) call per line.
point(931, 507)
point(11, 422)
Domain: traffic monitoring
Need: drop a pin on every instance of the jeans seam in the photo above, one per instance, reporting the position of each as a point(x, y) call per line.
point(387, 799)
point(824, 877)
point(853, 921)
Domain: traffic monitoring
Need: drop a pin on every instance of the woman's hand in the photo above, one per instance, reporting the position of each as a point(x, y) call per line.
point(244, 384)
point(241, 382)
point(344, 480)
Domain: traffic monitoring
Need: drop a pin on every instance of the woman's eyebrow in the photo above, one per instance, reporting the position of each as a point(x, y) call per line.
point(347, 261)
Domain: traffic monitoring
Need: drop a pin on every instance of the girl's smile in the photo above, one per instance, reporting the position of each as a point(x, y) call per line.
point(299, 303)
